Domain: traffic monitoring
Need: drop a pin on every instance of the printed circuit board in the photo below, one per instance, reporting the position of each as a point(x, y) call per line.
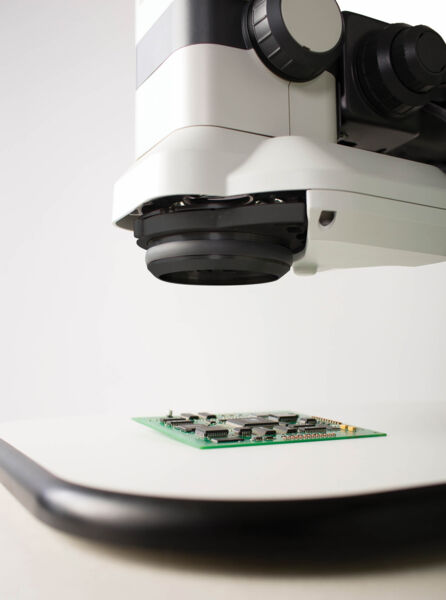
point(211, 430)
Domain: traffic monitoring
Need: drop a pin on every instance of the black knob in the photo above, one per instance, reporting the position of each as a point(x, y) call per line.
point(419, 58)
point(296, 39)
point(401, 67)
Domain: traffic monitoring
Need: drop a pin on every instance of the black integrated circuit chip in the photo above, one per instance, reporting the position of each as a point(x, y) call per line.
point(309, 421)
point(173, 422)
point(286, 429)
point(207, 416)
point(264, 432)
point(252, 422)
point(243, 431)
point(190, 416)
point(285, 417)
point(313, 429)
point(171, 418)
point(210, 432)
point(188, 427)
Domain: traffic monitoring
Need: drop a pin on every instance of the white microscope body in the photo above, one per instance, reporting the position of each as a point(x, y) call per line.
point(215, 119)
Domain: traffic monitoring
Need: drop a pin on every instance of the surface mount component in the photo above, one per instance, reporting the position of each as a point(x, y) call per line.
point(315, 429)
point(231, 430)
point(251, 421)
point(286, 429)
point(186, 427)
point(174, 421)
point(307, 421)
point(263, 432)
point(190, 416)
point(206, 416)
point(209, 432)
point(284, 417)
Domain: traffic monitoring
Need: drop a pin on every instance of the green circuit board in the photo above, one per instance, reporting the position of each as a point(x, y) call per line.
point(211, 430)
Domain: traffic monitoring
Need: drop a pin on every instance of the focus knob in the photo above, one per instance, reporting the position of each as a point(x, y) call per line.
point(419, 58)
point(296, 39)
point(401, 67)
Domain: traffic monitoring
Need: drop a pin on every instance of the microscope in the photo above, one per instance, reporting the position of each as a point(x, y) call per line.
point(270, 135)
point(276, 134)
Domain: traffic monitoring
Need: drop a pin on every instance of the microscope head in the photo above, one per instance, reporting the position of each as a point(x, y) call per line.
point(273, 134)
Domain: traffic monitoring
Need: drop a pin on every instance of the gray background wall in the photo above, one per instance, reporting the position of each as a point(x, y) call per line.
point(84, 329)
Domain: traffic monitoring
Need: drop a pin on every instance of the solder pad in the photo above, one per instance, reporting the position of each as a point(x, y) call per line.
point(243, 429)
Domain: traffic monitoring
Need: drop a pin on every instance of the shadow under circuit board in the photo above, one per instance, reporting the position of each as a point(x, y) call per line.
point(210, 430)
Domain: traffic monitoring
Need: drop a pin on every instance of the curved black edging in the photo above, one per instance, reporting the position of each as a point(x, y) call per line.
point(358, 526)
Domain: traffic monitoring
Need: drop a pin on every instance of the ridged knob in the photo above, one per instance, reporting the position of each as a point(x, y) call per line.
point(419, 58)
point(296, 39)
point(401, 67)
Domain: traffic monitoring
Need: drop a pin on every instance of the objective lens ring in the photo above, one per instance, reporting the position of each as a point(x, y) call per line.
point(218, 262)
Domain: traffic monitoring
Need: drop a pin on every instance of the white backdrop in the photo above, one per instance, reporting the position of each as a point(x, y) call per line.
point(84, 328)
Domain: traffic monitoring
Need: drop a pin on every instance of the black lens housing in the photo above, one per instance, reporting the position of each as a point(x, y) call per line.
point(223, 241)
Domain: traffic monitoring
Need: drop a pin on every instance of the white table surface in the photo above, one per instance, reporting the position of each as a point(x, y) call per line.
point(39, 563)
point(115, 453)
